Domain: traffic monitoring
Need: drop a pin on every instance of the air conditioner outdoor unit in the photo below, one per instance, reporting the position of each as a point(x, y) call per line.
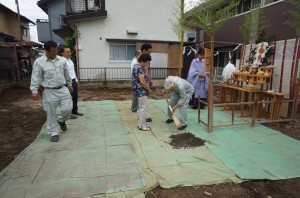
point(191, 36)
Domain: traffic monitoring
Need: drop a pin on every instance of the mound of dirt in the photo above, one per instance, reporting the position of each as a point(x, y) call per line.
point(185, 140)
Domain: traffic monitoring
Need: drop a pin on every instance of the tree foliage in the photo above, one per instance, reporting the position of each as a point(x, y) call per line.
point(210, 15)
point(295, 24)
point(177, 22)
point(254, 24)
point(71, 43)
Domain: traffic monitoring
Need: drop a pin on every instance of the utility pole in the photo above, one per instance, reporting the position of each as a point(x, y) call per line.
point(19, 19)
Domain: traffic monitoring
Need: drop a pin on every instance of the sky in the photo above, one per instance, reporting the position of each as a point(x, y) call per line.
point(29, 9)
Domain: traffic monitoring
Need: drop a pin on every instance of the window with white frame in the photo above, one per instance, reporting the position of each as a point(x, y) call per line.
point(247, 5)
point(256, 3)
point(266, 2)
point(122, 52)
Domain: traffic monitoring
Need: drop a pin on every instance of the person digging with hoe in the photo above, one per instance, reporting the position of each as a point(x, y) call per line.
point(182, 92)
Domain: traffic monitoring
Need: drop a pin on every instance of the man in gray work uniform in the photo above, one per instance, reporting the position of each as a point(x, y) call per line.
point(51, 72)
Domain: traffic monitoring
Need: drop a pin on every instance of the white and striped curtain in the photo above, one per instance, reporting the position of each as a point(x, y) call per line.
point(118, 52)
point(77, 6)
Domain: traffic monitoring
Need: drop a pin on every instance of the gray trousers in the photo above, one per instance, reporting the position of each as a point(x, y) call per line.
point(134, 105)
point(142, 110)
point(52, 98)
point(182, 110)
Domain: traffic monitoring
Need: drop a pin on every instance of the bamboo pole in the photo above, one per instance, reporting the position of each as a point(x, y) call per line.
point(181, 55)
point(211, 85)
point(182, 38)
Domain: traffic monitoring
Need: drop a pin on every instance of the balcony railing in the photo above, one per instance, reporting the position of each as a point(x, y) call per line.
point(120, 73)
point(74, 7)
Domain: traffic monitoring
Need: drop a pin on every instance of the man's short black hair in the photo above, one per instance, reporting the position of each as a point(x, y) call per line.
point(146, 47)
point(50, 44)
point(200, 51)
point(144, 57)
point(61, 49)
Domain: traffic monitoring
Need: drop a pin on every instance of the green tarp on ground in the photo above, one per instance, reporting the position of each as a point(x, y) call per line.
point(93, 157)
point(172, 167)
point(250, 152)
point(103, 154)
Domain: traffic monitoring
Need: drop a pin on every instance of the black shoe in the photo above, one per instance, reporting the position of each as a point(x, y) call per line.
point(149, 120)
point(202, 107)
point(62, 125)
point(169, 121)
point(54, 138)
point(195, 108)
point(77, 113)
point(182, 127)
point(73, 117)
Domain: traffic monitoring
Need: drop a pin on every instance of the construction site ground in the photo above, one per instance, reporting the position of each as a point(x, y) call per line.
point(103, 154)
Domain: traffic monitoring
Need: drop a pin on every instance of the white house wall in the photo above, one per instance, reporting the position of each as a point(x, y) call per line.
point(150, 18)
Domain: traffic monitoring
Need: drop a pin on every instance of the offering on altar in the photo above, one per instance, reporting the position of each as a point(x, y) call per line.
point(254, 70)
point(228, 72)
point(260, 73)
point(261, 54)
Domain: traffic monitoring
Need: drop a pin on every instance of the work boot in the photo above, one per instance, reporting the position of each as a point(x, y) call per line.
point(54, 138)
point(73, 116)
point(168, 121)
point(62, 125)
point(77, 113)
point(182, 127)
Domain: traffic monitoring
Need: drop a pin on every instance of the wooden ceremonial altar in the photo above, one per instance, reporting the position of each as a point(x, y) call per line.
point(236, 94)
point(255, 90)
point(248, 96)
